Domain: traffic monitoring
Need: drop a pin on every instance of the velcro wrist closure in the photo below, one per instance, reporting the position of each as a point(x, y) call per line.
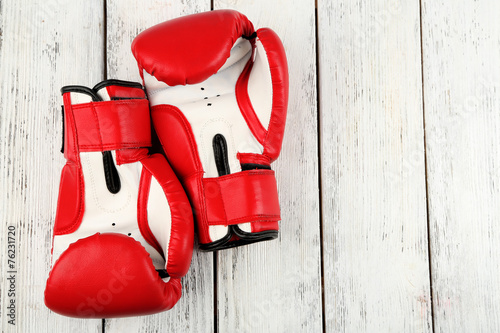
point(246, 196)
point(112, 125)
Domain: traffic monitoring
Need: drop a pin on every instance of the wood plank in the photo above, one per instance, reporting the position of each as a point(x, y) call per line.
point(462, 98)
point(44, 45)
point(376, 269)
point(276, 286)
point(194, 312)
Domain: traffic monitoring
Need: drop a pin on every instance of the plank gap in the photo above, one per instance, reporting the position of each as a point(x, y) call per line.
point(215, 259)
point(320, 190)
point(429, 253)
point(105, 74)
point(105, 40)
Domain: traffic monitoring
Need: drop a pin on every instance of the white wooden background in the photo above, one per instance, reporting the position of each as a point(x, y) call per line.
point(389, 177)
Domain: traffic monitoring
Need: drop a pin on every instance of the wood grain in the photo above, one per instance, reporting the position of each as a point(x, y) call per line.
point(461, 44)
point(276, 286)
point(375, 252)
point(195, 310)
point(373, 235)
point(44, 45)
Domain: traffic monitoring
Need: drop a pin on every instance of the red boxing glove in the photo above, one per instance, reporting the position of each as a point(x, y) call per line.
point(123, 235)
point(219, 93)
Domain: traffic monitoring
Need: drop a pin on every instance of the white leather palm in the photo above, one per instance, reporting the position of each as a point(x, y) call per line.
point(211, 108)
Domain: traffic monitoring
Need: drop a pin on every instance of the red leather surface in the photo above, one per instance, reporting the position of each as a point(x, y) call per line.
point(189, 49)
point(264, 226)
point(193, 186)
point(131, 155)
point(246, 158)
point(124, 91)
point(242, 197)
point(245, 105)
point(70, 138)
point(180, 247)
point(248, 196)
point(108, 275)
point(176, 136)
point(70, 203)
point(112, 125)
point(142, 211)
point(128, 155)
point(177, 139)
point(279, 76)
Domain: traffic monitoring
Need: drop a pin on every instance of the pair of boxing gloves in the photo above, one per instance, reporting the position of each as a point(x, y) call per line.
point(123, 234)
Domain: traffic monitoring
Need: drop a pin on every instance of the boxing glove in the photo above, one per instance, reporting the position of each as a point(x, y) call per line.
point(123, 234)
point(219, 91)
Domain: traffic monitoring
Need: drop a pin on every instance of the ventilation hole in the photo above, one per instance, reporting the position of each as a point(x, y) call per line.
point(218, 96)
point(113, 224)
point(129, 234)
point(209, 104)
point(202, 88)
point(206, 98)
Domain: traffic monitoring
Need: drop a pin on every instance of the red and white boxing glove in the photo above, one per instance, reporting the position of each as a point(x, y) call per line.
point(123, 235)
point(219, 92)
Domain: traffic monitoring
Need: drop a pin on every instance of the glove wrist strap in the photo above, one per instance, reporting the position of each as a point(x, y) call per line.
point(108, 125)
point(247, 196)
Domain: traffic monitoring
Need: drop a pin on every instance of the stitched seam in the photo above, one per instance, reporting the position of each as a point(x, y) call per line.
point(142, 207)
point(251, 173)
point(194, 174)
point(253, 157)
point(98, 202)
point(203, 203)
point(273, 77)
point(272, 101)
point(266, 218)
point(245, 76)
point(222, 199)
point(162, 185)
point(119, 145)
point(177, 113)
point(104, 103)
